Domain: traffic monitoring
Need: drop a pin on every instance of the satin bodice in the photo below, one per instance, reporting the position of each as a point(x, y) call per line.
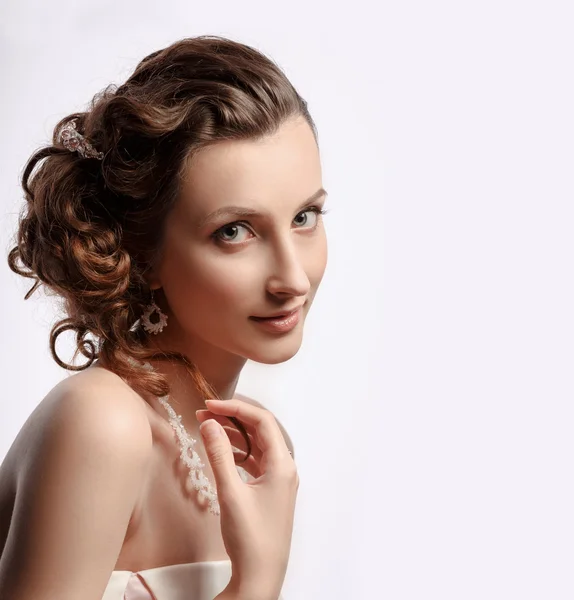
point(188, 581)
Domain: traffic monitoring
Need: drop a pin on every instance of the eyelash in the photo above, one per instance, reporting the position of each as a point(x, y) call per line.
point(316, 209)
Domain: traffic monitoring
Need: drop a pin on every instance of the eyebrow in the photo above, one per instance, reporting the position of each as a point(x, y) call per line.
point(241, 211)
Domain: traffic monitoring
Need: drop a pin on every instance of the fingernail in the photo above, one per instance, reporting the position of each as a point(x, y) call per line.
point(210, 429)
point(201, 410)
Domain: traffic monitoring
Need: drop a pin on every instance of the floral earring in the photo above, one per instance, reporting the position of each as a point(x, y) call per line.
point(150, 327)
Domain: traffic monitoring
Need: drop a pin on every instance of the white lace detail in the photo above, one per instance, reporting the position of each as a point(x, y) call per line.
point(188, 455)
point(197, 478)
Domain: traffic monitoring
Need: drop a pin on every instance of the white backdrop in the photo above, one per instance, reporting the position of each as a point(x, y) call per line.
point(431, 405)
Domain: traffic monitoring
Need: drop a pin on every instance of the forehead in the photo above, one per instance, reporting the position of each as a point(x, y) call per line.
point(284, 168)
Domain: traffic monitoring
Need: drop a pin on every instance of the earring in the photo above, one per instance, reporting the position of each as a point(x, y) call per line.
point(150, 327)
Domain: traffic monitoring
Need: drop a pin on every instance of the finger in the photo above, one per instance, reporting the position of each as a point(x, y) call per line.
point(250, 465)
point(235, 436)
point(267, 432)
point(203, 414)
point(220, 455)
point(238, 441)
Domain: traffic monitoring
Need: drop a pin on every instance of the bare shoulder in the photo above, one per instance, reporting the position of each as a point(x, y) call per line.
point(80, 461)
point(288, 440)
point(94, 399)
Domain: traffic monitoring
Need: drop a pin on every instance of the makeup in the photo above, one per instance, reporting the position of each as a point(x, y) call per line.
point(279, 324)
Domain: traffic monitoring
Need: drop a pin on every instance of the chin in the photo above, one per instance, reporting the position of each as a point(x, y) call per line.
point(274, 353)
point(273, 360)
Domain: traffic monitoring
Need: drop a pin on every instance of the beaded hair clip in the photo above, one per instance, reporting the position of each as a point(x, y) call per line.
point(74, 141)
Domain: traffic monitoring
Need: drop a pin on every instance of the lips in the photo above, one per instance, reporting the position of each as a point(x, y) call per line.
point(279, 325)
point(279, 315)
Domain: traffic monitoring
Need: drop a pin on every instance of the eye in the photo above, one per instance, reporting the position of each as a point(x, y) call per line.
point(316, 211)
point(227, 233)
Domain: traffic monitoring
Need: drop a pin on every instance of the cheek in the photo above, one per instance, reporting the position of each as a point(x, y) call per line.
point(214, 287)
point(318, 262)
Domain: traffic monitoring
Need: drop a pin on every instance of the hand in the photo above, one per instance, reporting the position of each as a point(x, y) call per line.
point(257, 516)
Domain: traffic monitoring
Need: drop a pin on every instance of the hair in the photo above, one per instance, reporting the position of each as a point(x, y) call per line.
point(90, 230)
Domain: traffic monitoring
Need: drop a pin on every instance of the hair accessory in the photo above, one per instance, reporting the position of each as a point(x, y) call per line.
point(74, 141)
point(150, 327)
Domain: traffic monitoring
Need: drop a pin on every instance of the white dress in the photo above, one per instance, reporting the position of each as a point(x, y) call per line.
point(188, 581)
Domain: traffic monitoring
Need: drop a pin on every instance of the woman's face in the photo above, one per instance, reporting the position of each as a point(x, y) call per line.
point(220, 268)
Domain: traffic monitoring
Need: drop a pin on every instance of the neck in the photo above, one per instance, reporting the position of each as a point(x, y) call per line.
point(220, 369)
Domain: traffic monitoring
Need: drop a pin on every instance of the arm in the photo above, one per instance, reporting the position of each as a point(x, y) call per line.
point(248, 592)
point(229, 593)
point(75, 494)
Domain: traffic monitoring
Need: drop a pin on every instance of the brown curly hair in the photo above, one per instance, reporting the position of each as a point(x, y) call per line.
point(90, 230)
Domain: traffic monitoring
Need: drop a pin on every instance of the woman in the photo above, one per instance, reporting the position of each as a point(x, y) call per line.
point(180, 219)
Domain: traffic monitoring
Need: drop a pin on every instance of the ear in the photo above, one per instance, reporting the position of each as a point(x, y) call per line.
point(283, 431)
point(152, 275)
point(153, 283)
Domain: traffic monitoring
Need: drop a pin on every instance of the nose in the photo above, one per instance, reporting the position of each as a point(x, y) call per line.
point(288, 275)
